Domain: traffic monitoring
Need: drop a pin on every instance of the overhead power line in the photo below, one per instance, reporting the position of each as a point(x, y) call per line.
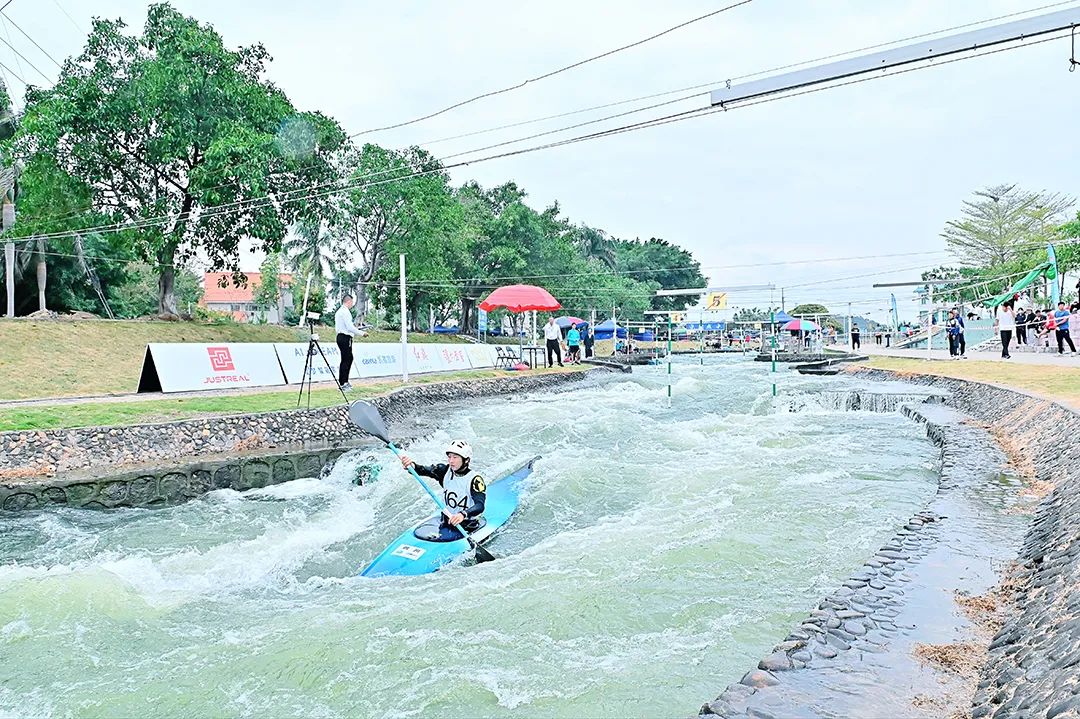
point(13, 73)
point(711, 84)
point(747, 76)
point(299, 194)
point(552, 73)
point(39, 47)
point(28, 62)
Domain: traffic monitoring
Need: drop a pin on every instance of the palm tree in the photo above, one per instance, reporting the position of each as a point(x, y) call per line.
point(312, 251)
point(596, 244)
point(31, 250)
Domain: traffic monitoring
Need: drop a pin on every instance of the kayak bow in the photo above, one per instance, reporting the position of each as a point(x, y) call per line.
point(427, 547)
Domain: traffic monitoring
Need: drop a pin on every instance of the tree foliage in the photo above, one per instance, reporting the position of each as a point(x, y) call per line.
point(168, 125)
point(754, 314)
point(1002, 223)
point(181, 145)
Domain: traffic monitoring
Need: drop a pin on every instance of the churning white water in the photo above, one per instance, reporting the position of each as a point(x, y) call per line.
point(657, 553)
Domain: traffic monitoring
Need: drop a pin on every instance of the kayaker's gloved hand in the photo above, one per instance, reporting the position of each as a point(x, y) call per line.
point(406, 462)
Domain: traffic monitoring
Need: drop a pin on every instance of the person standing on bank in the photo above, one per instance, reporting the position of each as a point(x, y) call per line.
point(552, 335)
point(573, 344)
point(855, 336)
point(1006, 323)
point(587, 339)
point(346, 330)
point(1061, 324)
point(1021, 327)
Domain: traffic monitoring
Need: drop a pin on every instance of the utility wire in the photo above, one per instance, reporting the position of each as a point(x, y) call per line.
point(715, 83)
point(35, 67)
point(292, 196)
point(554, 72)
point(12, 72)
point(711, 84)
point(63, 10)
point(39, 47)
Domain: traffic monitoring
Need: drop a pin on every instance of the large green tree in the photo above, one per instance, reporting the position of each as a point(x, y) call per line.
point(1003, 222)
point(668, 265)
point(169, 129)
point(390, 203)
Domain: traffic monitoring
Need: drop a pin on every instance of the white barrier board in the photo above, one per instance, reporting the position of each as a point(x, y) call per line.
point(185, 366)
point(481, 356)
point(380, 359)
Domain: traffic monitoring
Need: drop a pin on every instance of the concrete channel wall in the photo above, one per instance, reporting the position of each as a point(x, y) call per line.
point(156, 464)
point(164, 486)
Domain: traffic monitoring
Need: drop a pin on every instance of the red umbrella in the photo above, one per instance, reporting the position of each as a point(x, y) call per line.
point(520, 298)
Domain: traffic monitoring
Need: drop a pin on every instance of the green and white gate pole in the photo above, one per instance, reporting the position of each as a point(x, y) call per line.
point(701, 339)
point(772, 328)
point(669, 360)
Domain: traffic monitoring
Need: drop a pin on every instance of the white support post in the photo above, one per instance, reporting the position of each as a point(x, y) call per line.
point(9, 276)
point(303, 309)
point(404, 321)
point(930, 322)
point(7, 221)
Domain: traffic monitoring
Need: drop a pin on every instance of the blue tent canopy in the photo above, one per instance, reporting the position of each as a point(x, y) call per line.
point(783, 317)
point(604, 329)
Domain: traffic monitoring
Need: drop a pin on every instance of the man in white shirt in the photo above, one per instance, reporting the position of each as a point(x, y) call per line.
point(346, 330)
point(552, 335)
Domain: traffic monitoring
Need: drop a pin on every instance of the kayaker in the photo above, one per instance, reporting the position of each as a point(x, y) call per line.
point(464, 490)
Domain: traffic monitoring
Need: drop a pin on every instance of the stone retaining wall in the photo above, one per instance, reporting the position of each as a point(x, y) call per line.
point(1034, 662)
point(1033, 665)
point(28, 456)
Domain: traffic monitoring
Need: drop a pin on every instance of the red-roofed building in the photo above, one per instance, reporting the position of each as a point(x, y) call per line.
point(239, 301)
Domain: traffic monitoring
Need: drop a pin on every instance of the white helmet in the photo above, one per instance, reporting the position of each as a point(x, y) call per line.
point(461, 448)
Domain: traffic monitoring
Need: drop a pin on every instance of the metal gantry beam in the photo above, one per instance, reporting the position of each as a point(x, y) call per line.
point(971, 41)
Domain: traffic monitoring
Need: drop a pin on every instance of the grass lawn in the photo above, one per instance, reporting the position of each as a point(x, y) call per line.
point(1059, 383)
point(61, 358)
point(103, 414)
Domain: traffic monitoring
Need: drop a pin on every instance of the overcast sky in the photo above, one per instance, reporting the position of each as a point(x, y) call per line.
point(871, 169)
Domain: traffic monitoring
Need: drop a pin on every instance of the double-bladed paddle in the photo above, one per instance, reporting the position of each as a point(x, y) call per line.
point(365, 416)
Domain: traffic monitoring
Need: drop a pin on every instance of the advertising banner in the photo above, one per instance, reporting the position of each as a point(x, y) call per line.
point(185, 367)
point(293, 355)
point(376, 359)
point(481, 356)
point(454, 357)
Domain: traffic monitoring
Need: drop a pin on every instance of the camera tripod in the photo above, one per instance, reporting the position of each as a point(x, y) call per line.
point(314, 347)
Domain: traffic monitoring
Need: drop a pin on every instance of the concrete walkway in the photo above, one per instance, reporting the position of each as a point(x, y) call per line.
point(432, 377)
point(1018, 356)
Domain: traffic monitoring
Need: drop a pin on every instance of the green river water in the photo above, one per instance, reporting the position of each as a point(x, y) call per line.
point(658, 553)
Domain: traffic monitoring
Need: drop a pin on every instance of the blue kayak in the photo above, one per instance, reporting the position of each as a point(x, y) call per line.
point(428, 546)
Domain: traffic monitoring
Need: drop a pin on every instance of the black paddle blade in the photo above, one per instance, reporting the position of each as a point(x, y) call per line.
point(483, 555)
point(366, 417)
